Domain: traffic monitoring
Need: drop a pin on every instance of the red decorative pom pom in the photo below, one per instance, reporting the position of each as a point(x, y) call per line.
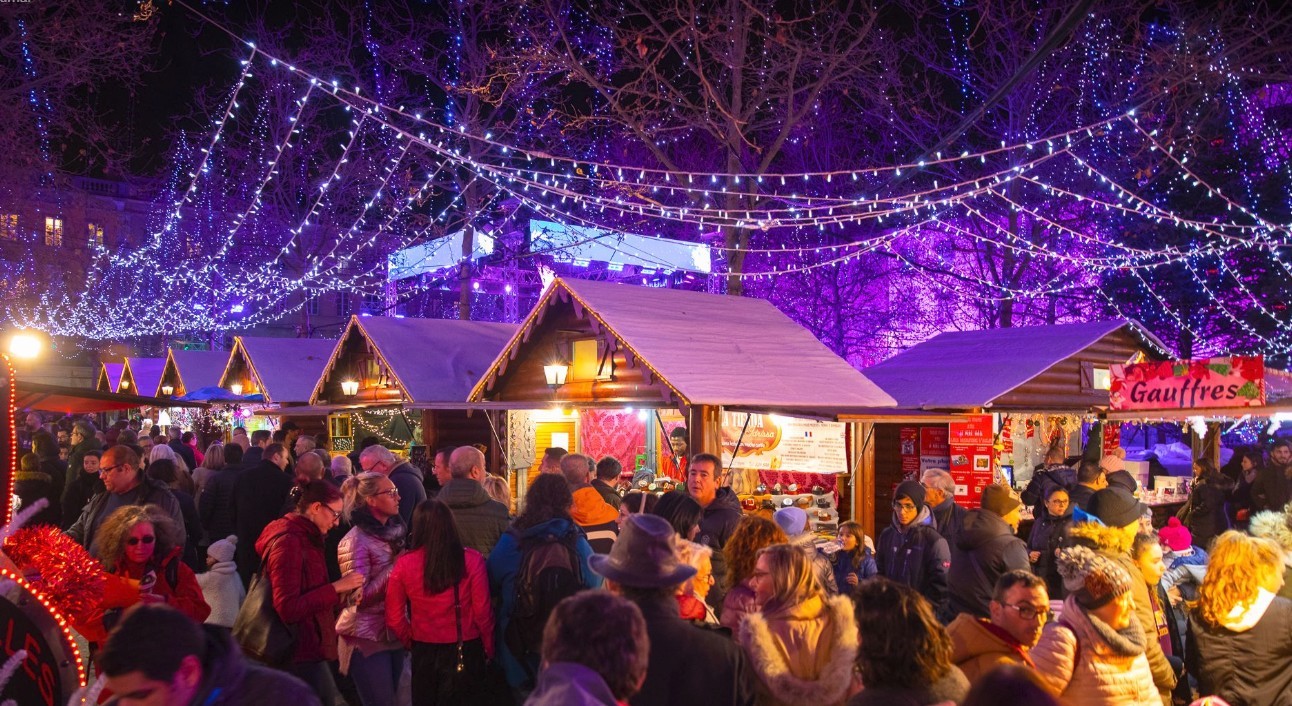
point(67, 573)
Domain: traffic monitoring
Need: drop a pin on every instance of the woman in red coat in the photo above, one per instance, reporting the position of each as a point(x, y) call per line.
point(445, 588)
point(141, 549)
point(292, 550)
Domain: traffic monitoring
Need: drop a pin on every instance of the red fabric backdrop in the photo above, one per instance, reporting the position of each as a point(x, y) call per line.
point(611, 433)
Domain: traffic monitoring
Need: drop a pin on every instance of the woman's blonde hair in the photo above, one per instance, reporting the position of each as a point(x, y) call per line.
point(497, 488)
point(793, 580)
point(693, 554)
point(214, 458)
point(112, 535)
point(1238, 567)
point(357, 489)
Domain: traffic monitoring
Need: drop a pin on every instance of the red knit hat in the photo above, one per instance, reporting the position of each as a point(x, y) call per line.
point(1175, 536)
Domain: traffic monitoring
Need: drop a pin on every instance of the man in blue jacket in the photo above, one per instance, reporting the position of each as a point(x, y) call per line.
point(912, 551)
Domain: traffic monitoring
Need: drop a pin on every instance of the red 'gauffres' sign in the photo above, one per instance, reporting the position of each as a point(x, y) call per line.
point(1237, 381)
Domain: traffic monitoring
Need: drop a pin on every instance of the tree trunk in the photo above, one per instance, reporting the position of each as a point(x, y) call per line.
point(464, 273)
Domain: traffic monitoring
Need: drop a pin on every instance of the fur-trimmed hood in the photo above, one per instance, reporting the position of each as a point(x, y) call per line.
point(1100, 537)
point(833, 653)
point(1276, 526)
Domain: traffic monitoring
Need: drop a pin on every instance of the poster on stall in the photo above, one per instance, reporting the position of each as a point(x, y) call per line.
point(972, 456)
point(909, 441)
point(934, 451)
point(776, 443)
point(1112, 436)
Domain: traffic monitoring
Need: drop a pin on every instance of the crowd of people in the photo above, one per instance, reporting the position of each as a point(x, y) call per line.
point(358, 580)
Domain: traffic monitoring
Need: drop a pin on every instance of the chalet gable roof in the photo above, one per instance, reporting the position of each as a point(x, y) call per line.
point(197, 369)
point(285, 369)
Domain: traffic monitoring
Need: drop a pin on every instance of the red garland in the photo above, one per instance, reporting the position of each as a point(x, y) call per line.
point(71, 578)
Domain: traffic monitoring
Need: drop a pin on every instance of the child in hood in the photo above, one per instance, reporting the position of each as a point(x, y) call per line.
point(221, 586)
point(1185, 563)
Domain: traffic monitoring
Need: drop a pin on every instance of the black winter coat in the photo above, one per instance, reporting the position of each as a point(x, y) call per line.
point(949, 518)
point(412, 491)
point(254, 456)
point(690, 663)
point(259, 496)
point(1271, 490)
point(481, 520)
point(1253, 667)
point(185, 452)
point(1080, 495)
point(716, 525)
point(215, 504)
point(1205, 514)
point(987, 549)
point(1048, 535)
point(196, 536)
point(1043, 479)
point(32, 486)
point(918, 557)
point(78, 494)
point(229, 679)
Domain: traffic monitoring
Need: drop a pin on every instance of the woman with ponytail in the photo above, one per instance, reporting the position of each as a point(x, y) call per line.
point(369, 651)
point(292, 550)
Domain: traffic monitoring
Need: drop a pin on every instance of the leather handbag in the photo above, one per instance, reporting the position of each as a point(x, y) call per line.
point(258, 629)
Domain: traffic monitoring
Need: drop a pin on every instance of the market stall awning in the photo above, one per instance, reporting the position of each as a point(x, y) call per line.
point(428, 361)
point(82, 400)
point(187, 371)
point(697, 348)
point(142, 376)
point(109, 377)
point(963, 370)
point(284, 370)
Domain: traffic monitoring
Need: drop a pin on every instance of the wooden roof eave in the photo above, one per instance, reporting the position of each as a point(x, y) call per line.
point(581, 308)
point(332, 360)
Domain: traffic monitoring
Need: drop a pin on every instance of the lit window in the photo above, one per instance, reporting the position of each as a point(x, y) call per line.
point(9, 226)
point(53, 231)
point(95, 234)
point(1103, 379)
point(373, 304)
point(342, 304)
point(312, 306)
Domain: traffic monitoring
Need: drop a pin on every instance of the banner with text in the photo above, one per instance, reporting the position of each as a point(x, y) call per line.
point(776, 443)
point(1236, 381)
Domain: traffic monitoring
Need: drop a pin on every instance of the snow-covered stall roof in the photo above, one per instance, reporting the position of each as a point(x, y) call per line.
point(434, 361)
point(964, 369)
point(285, 369)
point(196, 369)
point(713, 349)
point(146, 374)
point(109, 377)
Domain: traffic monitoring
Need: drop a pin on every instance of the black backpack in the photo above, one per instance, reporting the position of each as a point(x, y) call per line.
point(550, 571)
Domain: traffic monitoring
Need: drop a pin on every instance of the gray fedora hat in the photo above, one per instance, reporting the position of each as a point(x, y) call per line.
point(644, 556)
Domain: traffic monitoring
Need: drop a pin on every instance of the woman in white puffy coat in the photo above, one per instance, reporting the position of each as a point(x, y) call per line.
point(1094, 654)
point(368, 651)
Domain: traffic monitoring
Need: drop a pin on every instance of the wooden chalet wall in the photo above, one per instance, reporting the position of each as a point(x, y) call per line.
point(239, 372)
point(523, 380)
point(457, 427)
point(354, 363)
point(1060, 387)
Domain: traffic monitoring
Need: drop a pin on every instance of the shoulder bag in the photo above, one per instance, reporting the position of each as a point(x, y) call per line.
point(258, 629)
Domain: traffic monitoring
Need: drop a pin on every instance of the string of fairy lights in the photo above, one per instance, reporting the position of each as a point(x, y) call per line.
point(374, 182)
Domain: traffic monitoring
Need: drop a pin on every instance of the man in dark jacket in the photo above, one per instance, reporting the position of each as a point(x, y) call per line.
point(82, 488)
point(124, 484)
point(83, 441)
point(406, 477)
point(159, 655)
point(608, 471)
point(1273, 485)
point(940, 497)
point(721, 514)
point(987, 549)
point(1090, 480)
point(180, 448)
point(1054, 472)
point(911, 551)
point(481, 520)
point(255, 452)
point(259, 497)
point(688, 664)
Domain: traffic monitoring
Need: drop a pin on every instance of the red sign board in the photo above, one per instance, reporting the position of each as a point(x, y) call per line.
point(1237, 381)
point(973, 459)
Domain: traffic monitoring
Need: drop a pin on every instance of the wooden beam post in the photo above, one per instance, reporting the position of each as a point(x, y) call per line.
point(704, 426)
point(863, 478)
